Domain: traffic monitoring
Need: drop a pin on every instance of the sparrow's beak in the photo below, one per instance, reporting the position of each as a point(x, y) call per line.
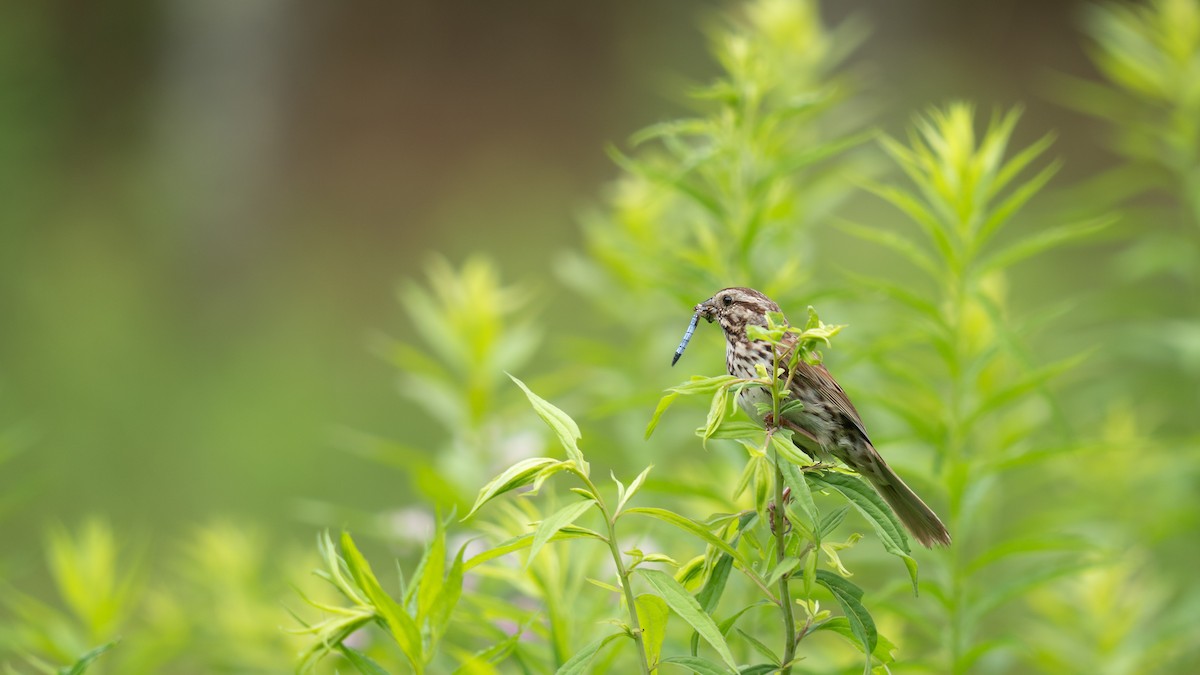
point(707, 310)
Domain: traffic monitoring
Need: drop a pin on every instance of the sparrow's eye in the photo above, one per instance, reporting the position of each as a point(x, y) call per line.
point(727, 299)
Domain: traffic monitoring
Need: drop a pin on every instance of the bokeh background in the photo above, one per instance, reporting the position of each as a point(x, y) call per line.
point(206, 209)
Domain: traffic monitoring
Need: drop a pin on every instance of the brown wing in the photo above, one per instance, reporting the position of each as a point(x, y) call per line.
point(818, 378)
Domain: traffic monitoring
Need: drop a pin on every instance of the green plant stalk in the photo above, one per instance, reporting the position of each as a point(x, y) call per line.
point(785, 593)
point(623, 572)
point(778, 527)
point(957, 432)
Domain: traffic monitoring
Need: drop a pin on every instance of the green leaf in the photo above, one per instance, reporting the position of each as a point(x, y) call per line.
point(929, 223)
point(697, 664)
point(760, 648)
point(703, 385)
point(663, 403)
point(552, 524)
point(402, 627)
point(759, 668)
point(81, 665)
point(848, 595)
point(1025, 384)
point(1042, 241)
point(447, 598)
point(710, 595)
point(683, 604)
point(581, 662)
point(868, 502)
point(633, 488)
point(700, 531)
point(902, 245)
point(559, 422)
point(996, 594)
point(831, 520)
point(801, 491)
point(841, 626)
point(431, 569)
point(1013, 203)
point(652, 616)
point(523, 541)
point(737, 430)
point(785, 566)
point(716, 412)
point(518, 475)
point(480, 662)
point(1026, 546)
point(361, 661)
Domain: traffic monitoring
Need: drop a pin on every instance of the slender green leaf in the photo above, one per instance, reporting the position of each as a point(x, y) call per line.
point(633, 488)
point(930, 225)
point(831, 520)
point(663, 403)
point(683, 604)
point(841, 625)
point(447, 597)
point(905, 247)
point(759, 647)
point(710, 595)
point(1042, 241)
point(801, 490)
point(560, 422)
point(868, 502)
point(432, 569)
point(703, 385)
point(785, 566)
point(1025, 546)
point(518, 475)
point(716, 412)
point(997, 594)
point(402, 627)
point(652, 616)
point(365, 664)
point(759, 669)
point(552, 524)
point(736, 430)
point(700, 531)
point(524, 541)
point(697, 664)
point(848, 597)
point(1013, 203)
point(581, 662)
point(84, 662)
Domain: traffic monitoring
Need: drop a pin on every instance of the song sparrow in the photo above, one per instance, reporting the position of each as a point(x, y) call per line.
point(827, 424)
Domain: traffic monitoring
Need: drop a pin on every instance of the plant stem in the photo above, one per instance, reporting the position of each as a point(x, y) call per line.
point(785, 593)
point(635, 626)
point(779, 526)
point(624, 574)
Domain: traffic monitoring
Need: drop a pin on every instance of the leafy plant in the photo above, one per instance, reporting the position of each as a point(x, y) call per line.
point(967, 385)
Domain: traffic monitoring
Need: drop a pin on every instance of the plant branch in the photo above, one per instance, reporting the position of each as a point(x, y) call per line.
point(622, 572)
point(785, 593)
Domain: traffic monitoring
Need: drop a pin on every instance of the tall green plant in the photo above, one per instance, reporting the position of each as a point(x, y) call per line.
point(968, 385)
point(730, 194)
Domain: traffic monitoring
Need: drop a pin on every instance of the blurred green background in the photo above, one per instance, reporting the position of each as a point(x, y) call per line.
point(206, 209)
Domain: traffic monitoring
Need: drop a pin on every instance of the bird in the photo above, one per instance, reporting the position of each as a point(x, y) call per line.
point(826, 425)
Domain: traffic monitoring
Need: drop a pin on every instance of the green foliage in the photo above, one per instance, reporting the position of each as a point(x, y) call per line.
point(730, 550)
point(416, 623)
point(730, 195)
point(967, 386)
point(214, 607)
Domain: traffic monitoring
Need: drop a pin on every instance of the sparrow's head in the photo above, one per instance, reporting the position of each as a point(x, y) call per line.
point(736, 308)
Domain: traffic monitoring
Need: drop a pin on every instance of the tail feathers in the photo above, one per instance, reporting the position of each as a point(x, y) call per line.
point(918, 518)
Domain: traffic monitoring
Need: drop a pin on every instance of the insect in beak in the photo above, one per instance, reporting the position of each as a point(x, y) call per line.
point(687, 337)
